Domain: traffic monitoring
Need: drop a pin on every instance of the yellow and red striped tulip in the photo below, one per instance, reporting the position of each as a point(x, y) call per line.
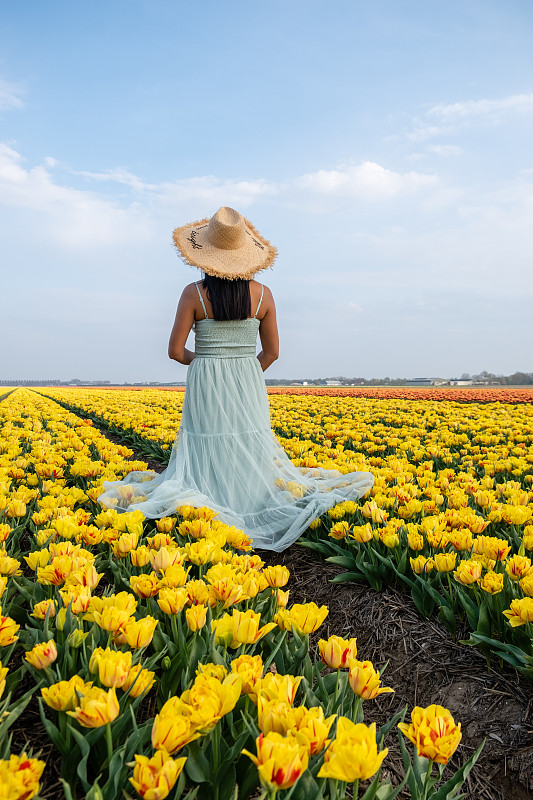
point(353, 755)
point(433, 732)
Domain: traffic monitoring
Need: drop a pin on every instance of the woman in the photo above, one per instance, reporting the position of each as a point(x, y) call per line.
point(225, 455)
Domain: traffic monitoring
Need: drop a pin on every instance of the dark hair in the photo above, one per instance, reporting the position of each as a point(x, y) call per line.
point(229, 299)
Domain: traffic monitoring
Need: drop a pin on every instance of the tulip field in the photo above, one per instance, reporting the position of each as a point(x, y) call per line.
point(165, 658)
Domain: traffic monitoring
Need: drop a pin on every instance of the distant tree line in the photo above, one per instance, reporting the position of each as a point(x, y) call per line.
point(516, 379)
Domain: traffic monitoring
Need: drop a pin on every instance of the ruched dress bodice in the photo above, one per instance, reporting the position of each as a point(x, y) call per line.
point(226, 339)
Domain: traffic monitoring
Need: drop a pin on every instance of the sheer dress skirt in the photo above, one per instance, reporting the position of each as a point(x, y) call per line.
point(225, 455)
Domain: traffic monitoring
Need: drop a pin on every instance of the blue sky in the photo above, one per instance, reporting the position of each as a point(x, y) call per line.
point(384, 147)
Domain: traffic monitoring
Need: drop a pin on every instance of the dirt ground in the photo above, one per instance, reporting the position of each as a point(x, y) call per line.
point(426, 666)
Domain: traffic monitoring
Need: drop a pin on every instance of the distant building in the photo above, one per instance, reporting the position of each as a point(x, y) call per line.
point(418, 382)
point(333, 383)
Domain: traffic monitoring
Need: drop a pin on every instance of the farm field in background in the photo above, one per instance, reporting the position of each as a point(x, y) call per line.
point(167, 642)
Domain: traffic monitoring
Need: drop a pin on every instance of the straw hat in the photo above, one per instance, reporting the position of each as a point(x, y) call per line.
point(226, 246)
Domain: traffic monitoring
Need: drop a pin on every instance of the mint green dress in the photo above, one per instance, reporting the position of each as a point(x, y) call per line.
point(226, 456)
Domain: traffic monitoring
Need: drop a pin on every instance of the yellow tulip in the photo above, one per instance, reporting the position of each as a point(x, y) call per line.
point(250, 670)
point(227, 591)
point(526, 584)
point(217, 671)
point(468, 572)
point(433, 732)
point(140, 556)
point(78, 597)
point(42, 655)
point(16, 509)
point(124, 544)
point(87, 576)
point(353, 755)
point(112, 666)
point(197, 528)
point(154, 778)
point(445, 562)
point(421, 564)
point(174, 576)
point(415, 540)
point(209, 699)
point(282, 598)
point(274, 716)
point(238, 540)
point(40, 609)
point(196, 617)
point(517, 567)
point(311, 723)
point(362, 533)
point(305, 617)
point(495, 548)
point(339, 530)
point(337, 652)
point(39, 558)
point(19, 777)
point(172, 601)
point(5, 531)
point(280, 760)
point(111, 618)
point(63, 696)
point(139, 633)
point(275, 686)
point(9, 566)
point(370, 510)
point(171, 732)
point(165, 524)
point(139, 680)
point(145, 585)
point(3, 673)
point(241, 626)
point(521, 612)
point(199, 552)
point(96, 708)
point(364, 680)
point(166, 557)
point(491, 582)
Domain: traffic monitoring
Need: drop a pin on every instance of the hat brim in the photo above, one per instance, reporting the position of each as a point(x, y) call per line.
point(194, 248)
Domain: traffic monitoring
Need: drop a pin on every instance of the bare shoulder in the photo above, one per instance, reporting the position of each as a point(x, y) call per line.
point(268, 297)
point(189, 293)
point(261, 288)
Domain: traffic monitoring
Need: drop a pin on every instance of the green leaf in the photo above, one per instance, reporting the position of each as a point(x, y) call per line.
point(447, 790)
point(447, 617)
point(388, 726)
point(197, 766)
point(346, 561)
point(344, 577)
point(85, 748)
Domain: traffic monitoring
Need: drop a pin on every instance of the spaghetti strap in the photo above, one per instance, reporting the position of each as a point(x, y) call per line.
point(260, 301)
point(202, 299)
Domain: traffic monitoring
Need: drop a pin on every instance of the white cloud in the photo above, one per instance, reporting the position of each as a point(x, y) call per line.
point(117, 175)
point(70, 216)
point(209, 191)
point(10, 95)
point(476, 108)
point(367, 181)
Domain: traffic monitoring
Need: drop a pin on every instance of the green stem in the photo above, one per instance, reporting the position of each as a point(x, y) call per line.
point(336, 689)
point(216, 757)
point(109, 742)
point(426, 779)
